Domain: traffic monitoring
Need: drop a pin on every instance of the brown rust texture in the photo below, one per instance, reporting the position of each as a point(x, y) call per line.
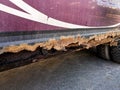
point(67, 41)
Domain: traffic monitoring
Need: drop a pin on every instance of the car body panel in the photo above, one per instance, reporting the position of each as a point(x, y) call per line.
point(29, 15)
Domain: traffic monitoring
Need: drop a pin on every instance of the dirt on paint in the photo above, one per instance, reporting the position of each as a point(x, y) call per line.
point(67, 41)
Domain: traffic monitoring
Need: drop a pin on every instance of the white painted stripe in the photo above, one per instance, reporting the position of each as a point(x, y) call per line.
point(55, 22)
point(15, 12)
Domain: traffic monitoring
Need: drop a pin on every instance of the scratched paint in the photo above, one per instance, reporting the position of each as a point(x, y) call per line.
point(109, 3)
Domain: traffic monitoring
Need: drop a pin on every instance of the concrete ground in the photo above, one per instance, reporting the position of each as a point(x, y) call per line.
point(75, 71)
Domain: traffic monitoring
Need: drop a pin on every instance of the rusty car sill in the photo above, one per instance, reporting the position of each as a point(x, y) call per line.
point(67, 41)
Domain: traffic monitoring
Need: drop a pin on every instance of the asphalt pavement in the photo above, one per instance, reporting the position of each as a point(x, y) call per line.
point(74, 71)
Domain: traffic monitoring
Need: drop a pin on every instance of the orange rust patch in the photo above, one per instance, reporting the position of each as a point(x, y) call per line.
point(65, 41)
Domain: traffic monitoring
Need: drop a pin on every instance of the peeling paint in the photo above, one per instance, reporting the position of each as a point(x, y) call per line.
point(67, 41)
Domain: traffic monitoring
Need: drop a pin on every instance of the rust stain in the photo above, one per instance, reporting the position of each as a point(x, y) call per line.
point(67, 41)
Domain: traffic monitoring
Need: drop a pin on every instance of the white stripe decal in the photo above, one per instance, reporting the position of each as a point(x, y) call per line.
point(35, 15)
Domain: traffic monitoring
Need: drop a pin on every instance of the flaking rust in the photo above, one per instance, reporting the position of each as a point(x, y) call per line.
point(67, 41)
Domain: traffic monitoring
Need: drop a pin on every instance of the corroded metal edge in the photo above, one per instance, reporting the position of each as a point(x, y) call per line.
point(67, 41)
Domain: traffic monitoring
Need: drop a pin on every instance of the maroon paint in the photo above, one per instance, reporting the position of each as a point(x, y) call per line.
point(81, 12)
